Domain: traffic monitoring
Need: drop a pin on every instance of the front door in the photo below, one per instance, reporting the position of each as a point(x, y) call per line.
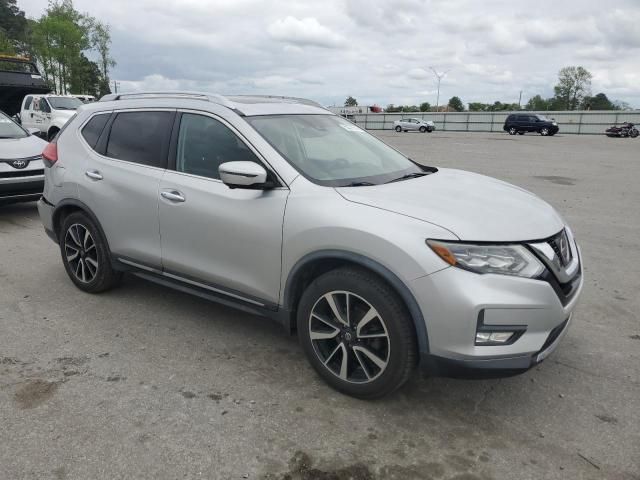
point(224, 239)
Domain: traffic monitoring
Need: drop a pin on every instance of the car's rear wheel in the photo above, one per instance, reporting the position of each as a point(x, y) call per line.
point(398, 129)
point(423, 129)
point(544, 131)
point(512, 130)
point(356, 333)
point(85, 254)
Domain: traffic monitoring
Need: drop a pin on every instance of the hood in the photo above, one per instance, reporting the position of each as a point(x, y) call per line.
point(65, 114)
point(472, 206)
point(11, 148)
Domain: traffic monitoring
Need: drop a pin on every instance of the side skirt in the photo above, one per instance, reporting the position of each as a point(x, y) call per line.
point(202, 290)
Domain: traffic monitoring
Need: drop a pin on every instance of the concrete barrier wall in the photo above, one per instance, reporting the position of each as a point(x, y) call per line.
point(578, 122)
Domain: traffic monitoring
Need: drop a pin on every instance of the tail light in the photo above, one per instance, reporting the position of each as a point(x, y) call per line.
point(50, 154)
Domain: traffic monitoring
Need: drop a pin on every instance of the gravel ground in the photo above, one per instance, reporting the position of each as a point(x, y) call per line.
point(145, 382)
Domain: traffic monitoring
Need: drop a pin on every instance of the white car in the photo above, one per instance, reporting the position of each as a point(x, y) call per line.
point(21, 168)
point(417, 124)
point(48, 113)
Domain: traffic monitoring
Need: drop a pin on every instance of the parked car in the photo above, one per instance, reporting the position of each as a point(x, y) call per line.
point(48, 113)
point(414, 124)
point(21, 169)
point(521, 123)
point(280, 208)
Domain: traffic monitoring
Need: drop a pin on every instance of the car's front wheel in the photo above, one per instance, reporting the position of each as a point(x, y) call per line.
point(398, 129)
point(423, 129)
point(85, 254)
point(544, 131)
point(357, 333)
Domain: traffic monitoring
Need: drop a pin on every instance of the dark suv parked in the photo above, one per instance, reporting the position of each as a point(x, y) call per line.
point(530, 122)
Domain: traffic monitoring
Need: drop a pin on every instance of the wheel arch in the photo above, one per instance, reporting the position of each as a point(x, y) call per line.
point(315, 264)
point(68, 206)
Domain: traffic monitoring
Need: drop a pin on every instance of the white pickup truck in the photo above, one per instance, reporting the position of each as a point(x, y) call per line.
point(48, 113)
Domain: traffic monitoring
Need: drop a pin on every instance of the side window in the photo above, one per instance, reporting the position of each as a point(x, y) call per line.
point(92, 130)
point(140, 137)
point(27, 102)
point(44, 106)
point(205, 143)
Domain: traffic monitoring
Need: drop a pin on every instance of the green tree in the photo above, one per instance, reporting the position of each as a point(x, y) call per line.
point(537, 103)
point(574, 84)
point(425, 107)
point(13, 28)
point(7, 46)
point(478, 107)
point(456, 104)
point(598, 102)
point(350, 102)
point(101, 42)
point(391, 108)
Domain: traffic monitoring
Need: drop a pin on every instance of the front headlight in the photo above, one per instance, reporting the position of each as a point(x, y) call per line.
point(502, 259)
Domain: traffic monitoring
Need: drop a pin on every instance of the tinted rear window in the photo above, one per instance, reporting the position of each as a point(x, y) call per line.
point(92, 130)
point(140, 137)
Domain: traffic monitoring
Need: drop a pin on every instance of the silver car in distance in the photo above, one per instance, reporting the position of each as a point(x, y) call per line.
point(414, 124)
point(278, 207)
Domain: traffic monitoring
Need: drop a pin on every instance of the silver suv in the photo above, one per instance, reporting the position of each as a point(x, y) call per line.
point(278, 207)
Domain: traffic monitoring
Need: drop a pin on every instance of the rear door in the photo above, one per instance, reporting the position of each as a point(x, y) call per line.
point(121, 179)
point(27, 116)
point(225, 239)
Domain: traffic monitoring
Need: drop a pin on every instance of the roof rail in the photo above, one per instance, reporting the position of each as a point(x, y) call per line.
point(213, 98)
point(303, 101)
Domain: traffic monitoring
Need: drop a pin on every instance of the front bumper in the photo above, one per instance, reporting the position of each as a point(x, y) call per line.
point(21, 185)
point(452, 301)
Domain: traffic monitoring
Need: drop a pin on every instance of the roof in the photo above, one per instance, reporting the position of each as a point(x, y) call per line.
point(246, 105)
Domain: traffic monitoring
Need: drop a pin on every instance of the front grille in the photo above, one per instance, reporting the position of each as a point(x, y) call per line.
point(560, 245)
point(22, 173)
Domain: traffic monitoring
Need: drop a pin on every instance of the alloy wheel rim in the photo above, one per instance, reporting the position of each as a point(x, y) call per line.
point(349, 337)
point(81, 253)
point(544, 131)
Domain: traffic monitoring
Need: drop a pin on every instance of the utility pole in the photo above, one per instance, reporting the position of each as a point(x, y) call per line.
point(115, 86)
point(439, 76)
point(520, 100)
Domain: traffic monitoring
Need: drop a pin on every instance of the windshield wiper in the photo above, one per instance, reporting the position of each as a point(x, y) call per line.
point(407, 176)
point(358, 184)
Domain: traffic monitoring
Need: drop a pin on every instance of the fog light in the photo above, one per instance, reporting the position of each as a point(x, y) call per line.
point(485, 337)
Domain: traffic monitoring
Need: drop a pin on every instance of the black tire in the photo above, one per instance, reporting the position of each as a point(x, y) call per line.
point(398, 129)
point(100, 278)
point(512, 130)
point(423, 129)
point(633, 133)
point(398, 347)
point(544, 131)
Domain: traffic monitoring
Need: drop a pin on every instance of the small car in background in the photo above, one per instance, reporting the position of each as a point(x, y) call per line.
point(413, 124)
point(21, 168)
point(521, 123)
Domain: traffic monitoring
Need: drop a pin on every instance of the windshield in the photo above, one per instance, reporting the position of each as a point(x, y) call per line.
point(65, 103)
point(331, 151)
point(9, 129)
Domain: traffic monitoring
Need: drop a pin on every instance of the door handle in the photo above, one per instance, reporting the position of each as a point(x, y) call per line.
point(93, 174)
point(172, 195)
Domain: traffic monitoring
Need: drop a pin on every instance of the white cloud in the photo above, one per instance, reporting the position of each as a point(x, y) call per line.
point(307, 31)
point(376, 50)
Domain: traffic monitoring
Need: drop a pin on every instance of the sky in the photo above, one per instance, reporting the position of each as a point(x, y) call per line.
point(380, 52)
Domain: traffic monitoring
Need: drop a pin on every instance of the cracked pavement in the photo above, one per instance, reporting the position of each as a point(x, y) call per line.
point(145, 382)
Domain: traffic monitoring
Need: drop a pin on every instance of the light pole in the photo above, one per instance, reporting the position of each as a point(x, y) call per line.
point(439, 76)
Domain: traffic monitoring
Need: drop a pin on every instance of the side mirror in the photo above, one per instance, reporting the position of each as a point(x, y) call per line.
point(243, 175)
